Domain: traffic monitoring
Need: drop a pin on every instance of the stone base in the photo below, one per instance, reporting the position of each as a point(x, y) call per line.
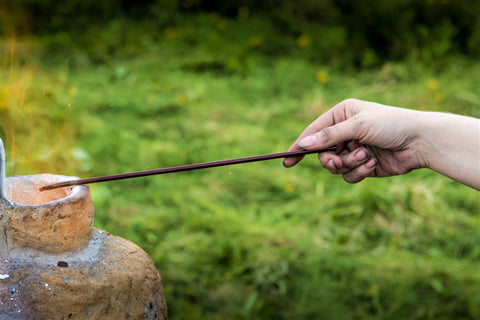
point(111, 278)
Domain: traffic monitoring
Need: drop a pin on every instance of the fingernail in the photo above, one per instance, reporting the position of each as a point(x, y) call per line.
point(308, 142)
point(332, 164)
point(361, 154)
point(371, 163)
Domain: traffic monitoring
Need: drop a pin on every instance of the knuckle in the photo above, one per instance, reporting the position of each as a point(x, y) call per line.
point(350, 102)
point(324, 136)
point(329, 163)
point(323, 160)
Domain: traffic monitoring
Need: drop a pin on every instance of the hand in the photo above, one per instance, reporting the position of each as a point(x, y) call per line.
point(372, 140)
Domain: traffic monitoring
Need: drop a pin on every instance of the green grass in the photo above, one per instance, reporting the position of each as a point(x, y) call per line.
point(252, 241)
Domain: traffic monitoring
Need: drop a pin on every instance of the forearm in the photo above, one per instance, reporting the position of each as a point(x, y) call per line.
point(450, 145)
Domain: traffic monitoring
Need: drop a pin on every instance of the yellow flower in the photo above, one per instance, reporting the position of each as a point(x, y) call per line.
point(72, 91)
point(255, 41)
point(303, 41)
point(322, 77)
point(432, 84)
point(289, 188)
point(180, 100)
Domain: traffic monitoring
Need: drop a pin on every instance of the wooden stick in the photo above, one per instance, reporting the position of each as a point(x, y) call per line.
point(187, 167)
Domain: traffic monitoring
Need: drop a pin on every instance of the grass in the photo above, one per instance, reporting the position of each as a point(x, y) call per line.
point(253, 241)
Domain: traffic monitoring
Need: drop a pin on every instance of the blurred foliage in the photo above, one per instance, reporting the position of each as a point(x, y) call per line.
point(155, 84)
point(360, 33)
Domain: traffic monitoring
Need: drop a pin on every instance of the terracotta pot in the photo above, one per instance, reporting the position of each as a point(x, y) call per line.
point(55, 265)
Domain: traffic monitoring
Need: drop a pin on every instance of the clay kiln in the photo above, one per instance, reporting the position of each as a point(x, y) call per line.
point(55, 265)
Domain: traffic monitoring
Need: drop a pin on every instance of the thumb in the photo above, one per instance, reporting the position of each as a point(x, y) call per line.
point(330, 136)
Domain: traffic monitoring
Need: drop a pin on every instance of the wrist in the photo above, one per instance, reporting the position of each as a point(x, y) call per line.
point(449, 144)
point(427, 127)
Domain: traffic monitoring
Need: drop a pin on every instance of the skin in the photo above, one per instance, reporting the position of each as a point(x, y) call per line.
point(375, 140)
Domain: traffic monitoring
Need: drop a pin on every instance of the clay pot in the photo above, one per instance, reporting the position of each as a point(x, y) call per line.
point(55, 265)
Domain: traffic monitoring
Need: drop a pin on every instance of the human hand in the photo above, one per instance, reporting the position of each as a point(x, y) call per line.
point(372, 140)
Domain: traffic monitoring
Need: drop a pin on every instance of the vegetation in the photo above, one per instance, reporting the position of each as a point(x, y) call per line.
point(252, 241)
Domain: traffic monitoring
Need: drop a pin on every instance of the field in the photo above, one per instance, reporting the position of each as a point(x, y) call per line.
point(251, 241)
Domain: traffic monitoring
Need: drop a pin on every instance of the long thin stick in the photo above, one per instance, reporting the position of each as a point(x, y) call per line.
point(187, 167)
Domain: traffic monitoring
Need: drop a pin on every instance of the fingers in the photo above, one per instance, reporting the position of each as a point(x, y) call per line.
point(330, 136)
point(330, 129)
point(355, 166)
point(361, 172)
point(343, 162)
point(329, 118)
point(327, 137)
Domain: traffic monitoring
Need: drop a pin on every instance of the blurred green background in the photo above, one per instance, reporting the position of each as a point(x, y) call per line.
point(90, 88)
